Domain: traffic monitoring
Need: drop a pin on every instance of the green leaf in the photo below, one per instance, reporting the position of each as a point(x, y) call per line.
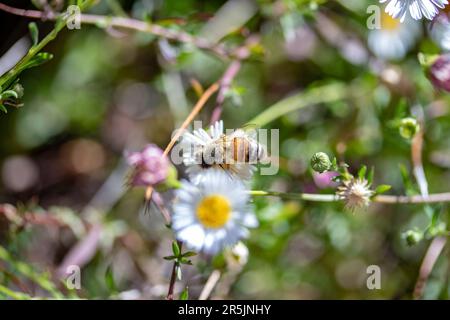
point(176, 249)
point(9, 94)
point(42, 279)
point(109, 280)
point(3, 108)
point(432, 213)
point(186, 261)
point(189, 254)
point(185, 294)
point(6, 292)
point(38, 60)
point(34, 32)
point(362, 172)
point(37, 3)
point(370, 176)
point(407, 183)
point(334, 165)
point(382, 188)
point(170, 258)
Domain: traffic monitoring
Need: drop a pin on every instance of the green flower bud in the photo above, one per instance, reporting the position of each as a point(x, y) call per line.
point(413, 237)
point(408, 128)
point(320, 162)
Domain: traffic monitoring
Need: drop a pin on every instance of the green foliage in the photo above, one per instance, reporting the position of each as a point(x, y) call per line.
point(178, 257)
point(382, 188)
point(185, 294)
point(34, 33)
point(113, 89)
point(25, 270)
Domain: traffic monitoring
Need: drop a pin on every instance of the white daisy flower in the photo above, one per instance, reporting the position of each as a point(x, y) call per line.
point(439, 31)
point(417, 8)
point(213, 213)
point(194, 145)
point(394, 39)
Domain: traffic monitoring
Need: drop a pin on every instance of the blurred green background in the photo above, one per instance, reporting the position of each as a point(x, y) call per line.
point(107, 91)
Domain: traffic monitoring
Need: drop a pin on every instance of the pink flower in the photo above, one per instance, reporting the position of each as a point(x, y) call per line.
point(325, 179)
point(439, 72)
point(150, 166)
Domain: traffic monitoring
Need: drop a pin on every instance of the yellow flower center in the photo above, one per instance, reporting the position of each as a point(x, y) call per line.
point(389, 23)
point(214, 211)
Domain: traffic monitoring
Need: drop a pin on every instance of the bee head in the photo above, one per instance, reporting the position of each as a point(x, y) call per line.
point(257, 152)
point(261, 152)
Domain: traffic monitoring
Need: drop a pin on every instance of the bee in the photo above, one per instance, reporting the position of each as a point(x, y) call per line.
point(239, 147)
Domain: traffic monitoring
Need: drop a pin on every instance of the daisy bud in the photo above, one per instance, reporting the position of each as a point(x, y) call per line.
point(408, 128)
point(439, 72)
point(355, 193)
point(236, 256)
point(320, 162)
point(413, 237)
point(150, 166)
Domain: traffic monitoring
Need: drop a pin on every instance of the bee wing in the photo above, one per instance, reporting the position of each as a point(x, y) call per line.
point(241, 133)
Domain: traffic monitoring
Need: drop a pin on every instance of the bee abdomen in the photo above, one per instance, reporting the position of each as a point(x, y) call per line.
point(240, 150)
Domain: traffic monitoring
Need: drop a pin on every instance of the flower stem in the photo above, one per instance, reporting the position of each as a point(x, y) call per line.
point(173, 277)
point(385, 199)
point(297, 196)
point(210, 285)
point(130, 24)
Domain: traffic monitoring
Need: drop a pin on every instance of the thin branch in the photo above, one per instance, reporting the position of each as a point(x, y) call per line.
point(173, 277)
point(210, 284)
point(225, 84)
point(416, 157)
point(161, 206)
point(197, 108)
point(433, 253)
point(438, 243)
point(384, 199)
point(230, 73)
point(130, 24)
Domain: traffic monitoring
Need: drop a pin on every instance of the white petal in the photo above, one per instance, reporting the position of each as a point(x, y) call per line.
point(193, 236)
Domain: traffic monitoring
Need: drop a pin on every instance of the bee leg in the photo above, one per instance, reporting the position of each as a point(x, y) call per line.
point(147, 206)
point(227, 171)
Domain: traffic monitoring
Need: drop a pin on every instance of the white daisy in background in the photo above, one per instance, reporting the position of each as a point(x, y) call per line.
point(394, 39)
point(439, 30)
point(194, 145)
point(213, 213)
point(416, 8)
